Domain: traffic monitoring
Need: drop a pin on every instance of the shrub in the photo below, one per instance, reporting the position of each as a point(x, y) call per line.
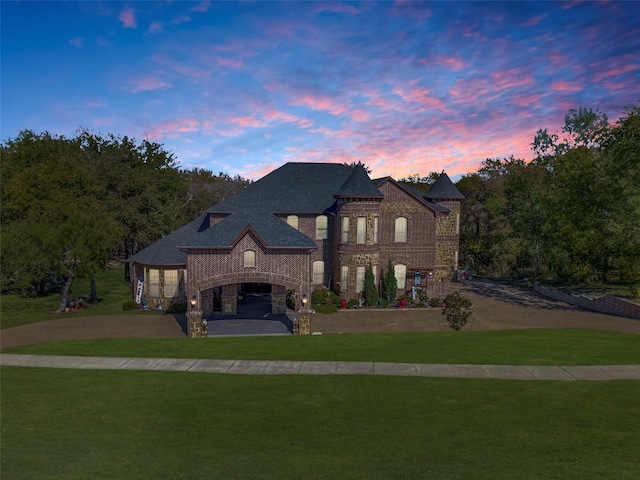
point(353, 303)
point(434, 302)
point(457, 310)
point(129, 305)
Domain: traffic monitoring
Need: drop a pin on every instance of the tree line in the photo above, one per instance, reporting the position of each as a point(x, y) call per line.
point(69, 205)
point(570, 215)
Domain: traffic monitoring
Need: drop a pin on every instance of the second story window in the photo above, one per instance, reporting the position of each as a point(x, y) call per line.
point(375, 229)
point(318, 272)
point(321, 227)
point(249, 258)
point(345, 230)
point(292, 220)
point(361, 230)
point(401, 230)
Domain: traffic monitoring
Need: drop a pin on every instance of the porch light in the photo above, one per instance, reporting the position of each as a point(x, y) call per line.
point(304, 299)
point(193, 301)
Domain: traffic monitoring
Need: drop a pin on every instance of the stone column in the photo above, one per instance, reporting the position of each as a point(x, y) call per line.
point(196, 327)
point(278, 299)
point(304, 321)
point(230, 299)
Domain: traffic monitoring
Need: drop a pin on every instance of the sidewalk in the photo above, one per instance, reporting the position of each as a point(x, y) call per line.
point(271, 367)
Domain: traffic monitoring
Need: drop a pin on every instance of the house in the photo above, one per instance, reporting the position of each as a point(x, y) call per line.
point(301, 227)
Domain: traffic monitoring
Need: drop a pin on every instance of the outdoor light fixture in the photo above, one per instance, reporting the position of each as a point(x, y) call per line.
point(304, 299)
point(193, 301)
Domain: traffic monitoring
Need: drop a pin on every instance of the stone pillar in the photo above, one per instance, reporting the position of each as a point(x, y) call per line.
point(278, 299)
point(304, 321)
point(230, 299)
point(196, 326)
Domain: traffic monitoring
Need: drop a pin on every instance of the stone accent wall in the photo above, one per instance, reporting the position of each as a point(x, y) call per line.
point(445, 260)
point(447, 224)
point(608, 304)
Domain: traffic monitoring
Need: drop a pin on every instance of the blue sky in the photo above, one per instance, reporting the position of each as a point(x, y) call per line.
point(243, 87)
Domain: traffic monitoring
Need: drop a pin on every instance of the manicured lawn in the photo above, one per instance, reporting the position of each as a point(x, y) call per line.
point(523, 347)
point(78, 424)
point(112, 291)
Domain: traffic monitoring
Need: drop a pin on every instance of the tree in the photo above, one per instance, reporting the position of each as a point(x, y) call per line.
point(457, 310)
point(370, 288)
point(422, 184)
point(390, 284)
point(583, 127)
point(54, 229)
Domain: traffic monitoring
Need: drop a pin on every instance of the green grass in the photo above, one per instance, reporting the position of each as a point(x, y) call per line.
point(112, 289)
point(78, 424)
point(523, 347)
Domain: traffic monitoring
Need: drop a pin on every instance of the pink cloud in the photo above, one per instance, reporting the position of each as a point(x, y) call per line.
point(525, 101)
point(127, 17)
point(563, 86)
point(172, 128)
point(201, 7)
point(335, 7)
point(319, 102)
point(148, 83)
point(246, 121)
point(228, 62)
point(155, 27)
point(511, 78)
point(421, 96)
point(615, 72)
point(533, 21)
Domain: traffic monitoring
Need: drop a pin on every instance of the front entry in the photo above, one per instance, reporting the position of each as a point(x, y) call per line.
point(251, 309)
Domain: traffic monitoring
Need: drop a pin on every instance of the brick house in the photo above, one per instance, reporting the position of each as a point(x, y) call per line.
point(301, 227)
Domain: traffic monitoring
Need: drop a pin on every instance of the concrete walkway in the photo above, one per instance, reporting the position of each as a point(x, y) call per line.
point(272, 367)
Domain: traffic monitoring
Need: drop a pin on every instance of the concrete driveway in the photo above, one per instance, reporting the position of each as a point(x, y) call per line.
point(254, 318)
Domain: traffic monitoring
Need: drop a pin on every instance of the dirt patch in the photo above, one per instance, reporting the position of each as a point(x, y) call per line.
point(496, 307)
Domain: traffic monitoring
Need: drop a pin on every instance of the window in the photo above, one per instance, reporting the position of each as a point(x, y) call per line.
point(345, 230)
point(321, 227)
point(249, 258)
point(457, 224)
point(375, 229)
point(153, 285)
point(171, 281)
point(292, 220)
point(360, 271)
point(318, 272)
point(361, 230)
point(400, 271)
point(344, 277)
point(401, 229)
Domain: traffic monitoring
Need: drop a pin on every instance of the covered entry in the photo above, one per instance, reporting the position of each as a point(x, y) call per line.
point(259, 309)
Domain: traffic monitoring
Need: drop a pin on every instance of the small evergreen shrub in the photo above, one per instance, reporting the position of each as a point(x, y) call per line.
point(129, 305)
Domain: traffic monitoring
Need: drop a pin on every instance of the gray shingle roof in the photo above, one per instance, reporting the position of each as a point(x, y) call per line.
point(442, 188)
point(165, 251)
point(358, 185)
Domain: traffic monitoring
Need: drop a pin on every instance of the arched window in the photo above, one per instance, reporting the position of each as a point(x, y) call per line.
point(318, 272)
point(249, 258)
point(401, 229)
point(292, 220)
point(400, 271)
point(321, 227)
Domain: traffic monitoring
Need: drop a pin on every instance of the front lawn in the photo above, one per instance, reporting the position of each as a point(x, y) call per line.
point(78, 424)
point(523, 347)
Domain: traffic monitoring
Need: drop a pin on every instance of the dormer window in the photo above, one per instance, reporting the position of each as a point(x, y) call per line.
point(292, 220)
point(321, 227)
point(249, 259)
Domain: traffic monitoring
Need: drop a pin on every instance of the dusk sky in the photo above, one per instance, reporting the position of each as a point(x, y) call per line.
point(243, 87)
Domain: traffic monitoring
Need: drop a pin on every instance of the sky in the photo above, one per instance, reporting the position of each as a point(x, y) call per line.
point(243, 87)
